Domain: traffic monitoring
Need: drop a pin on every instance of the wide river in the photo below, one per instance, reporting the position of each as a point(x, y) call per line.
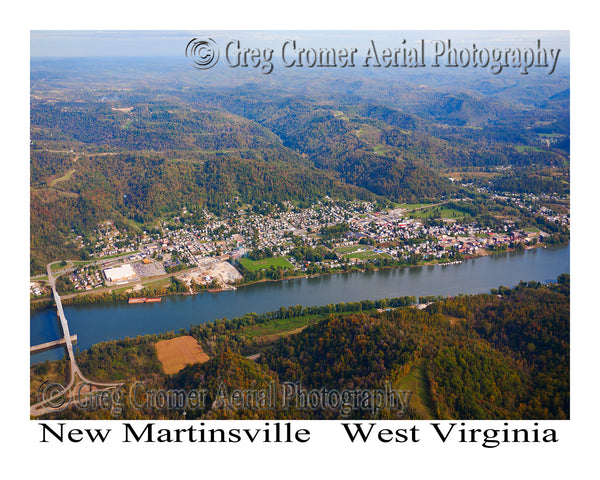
point(110, 321)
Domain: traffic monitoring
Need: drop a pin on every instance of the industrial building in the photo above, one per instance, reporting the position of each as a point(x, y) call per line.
point(119, 274)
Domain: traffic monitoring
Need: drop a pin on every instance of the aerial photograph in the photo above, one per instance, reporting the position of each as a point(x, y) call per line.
point(299, 225)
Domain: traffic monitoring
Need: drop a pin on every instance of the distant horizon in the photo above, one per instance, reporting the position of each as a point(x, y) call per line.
point(171, 43)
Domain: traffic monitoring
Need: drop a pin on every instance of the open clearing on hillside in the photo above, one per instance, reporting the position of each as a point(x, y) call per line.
point(416, 383)
point(178, 352)
point(64, 178)
point(282, 326)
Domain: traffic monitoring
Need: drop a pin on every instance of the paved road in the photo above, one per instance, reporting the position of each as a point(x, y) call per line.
point(39, 408)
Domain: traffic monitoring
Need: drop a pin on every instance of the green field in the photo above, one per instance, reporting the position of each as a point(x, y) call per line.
point(380, 149)
point(281, 325)
point(57, 266)
point(351, 249)
point(366, 253)
point(161, 282)
point(527, 148)
point(444, 212)
point(253, 265)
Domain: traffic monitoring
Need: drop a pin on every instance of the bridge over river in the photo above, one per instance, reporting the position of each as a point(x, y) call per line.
point(58, 399)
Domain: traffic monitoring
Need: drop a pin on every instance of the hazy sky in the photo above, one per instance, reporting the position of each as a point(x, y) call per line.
point(74, 43)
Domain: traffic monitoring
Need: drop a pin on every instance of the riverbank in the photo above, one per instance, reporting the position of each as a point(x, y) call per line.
point(110, 294)
point(106, 321)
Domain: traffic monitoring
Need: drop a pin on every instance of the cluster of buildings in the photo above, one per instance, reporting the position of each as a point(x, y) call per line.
point(385, 233)
point(86, 278)
point(110, 241)
point(35, 289)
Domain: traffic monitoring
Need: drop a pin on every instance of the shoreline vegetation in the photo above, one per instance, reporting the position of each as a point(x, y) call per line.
point(170, 285)
point(177, 287)
point(510, 339)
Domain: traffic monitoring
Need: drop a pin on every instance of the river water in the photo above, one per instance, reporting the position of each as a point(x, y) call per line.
point(110, 321)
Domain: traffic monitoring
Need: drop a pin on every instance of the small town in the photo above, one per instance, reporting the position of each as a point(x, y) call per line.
point(220, 252)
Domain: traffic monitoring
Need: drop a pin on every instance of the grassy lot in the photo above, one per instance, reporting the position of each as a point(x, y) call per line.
point(161, 282)
point(527, 148)
point(444, 212)
point(415, 383)
point(531, 230)
point(281, 325)
point(253, 265)
point(286, 326)
point(351, 249)
point(57, 266)
point(381, 149)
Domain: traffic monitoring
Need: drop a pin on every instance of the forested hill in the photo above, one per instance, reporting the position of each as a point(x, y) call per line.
point(503, 355)
point(137, 187)
point(481, 356)
point(127, 141)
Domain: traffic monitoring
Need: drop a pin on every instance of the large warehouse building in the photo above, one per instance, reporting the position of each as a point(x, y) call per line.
point(120, 274)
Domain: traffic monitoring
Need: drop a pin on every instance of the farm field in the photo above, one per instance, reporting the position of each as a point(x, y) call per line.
point(178, 352)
